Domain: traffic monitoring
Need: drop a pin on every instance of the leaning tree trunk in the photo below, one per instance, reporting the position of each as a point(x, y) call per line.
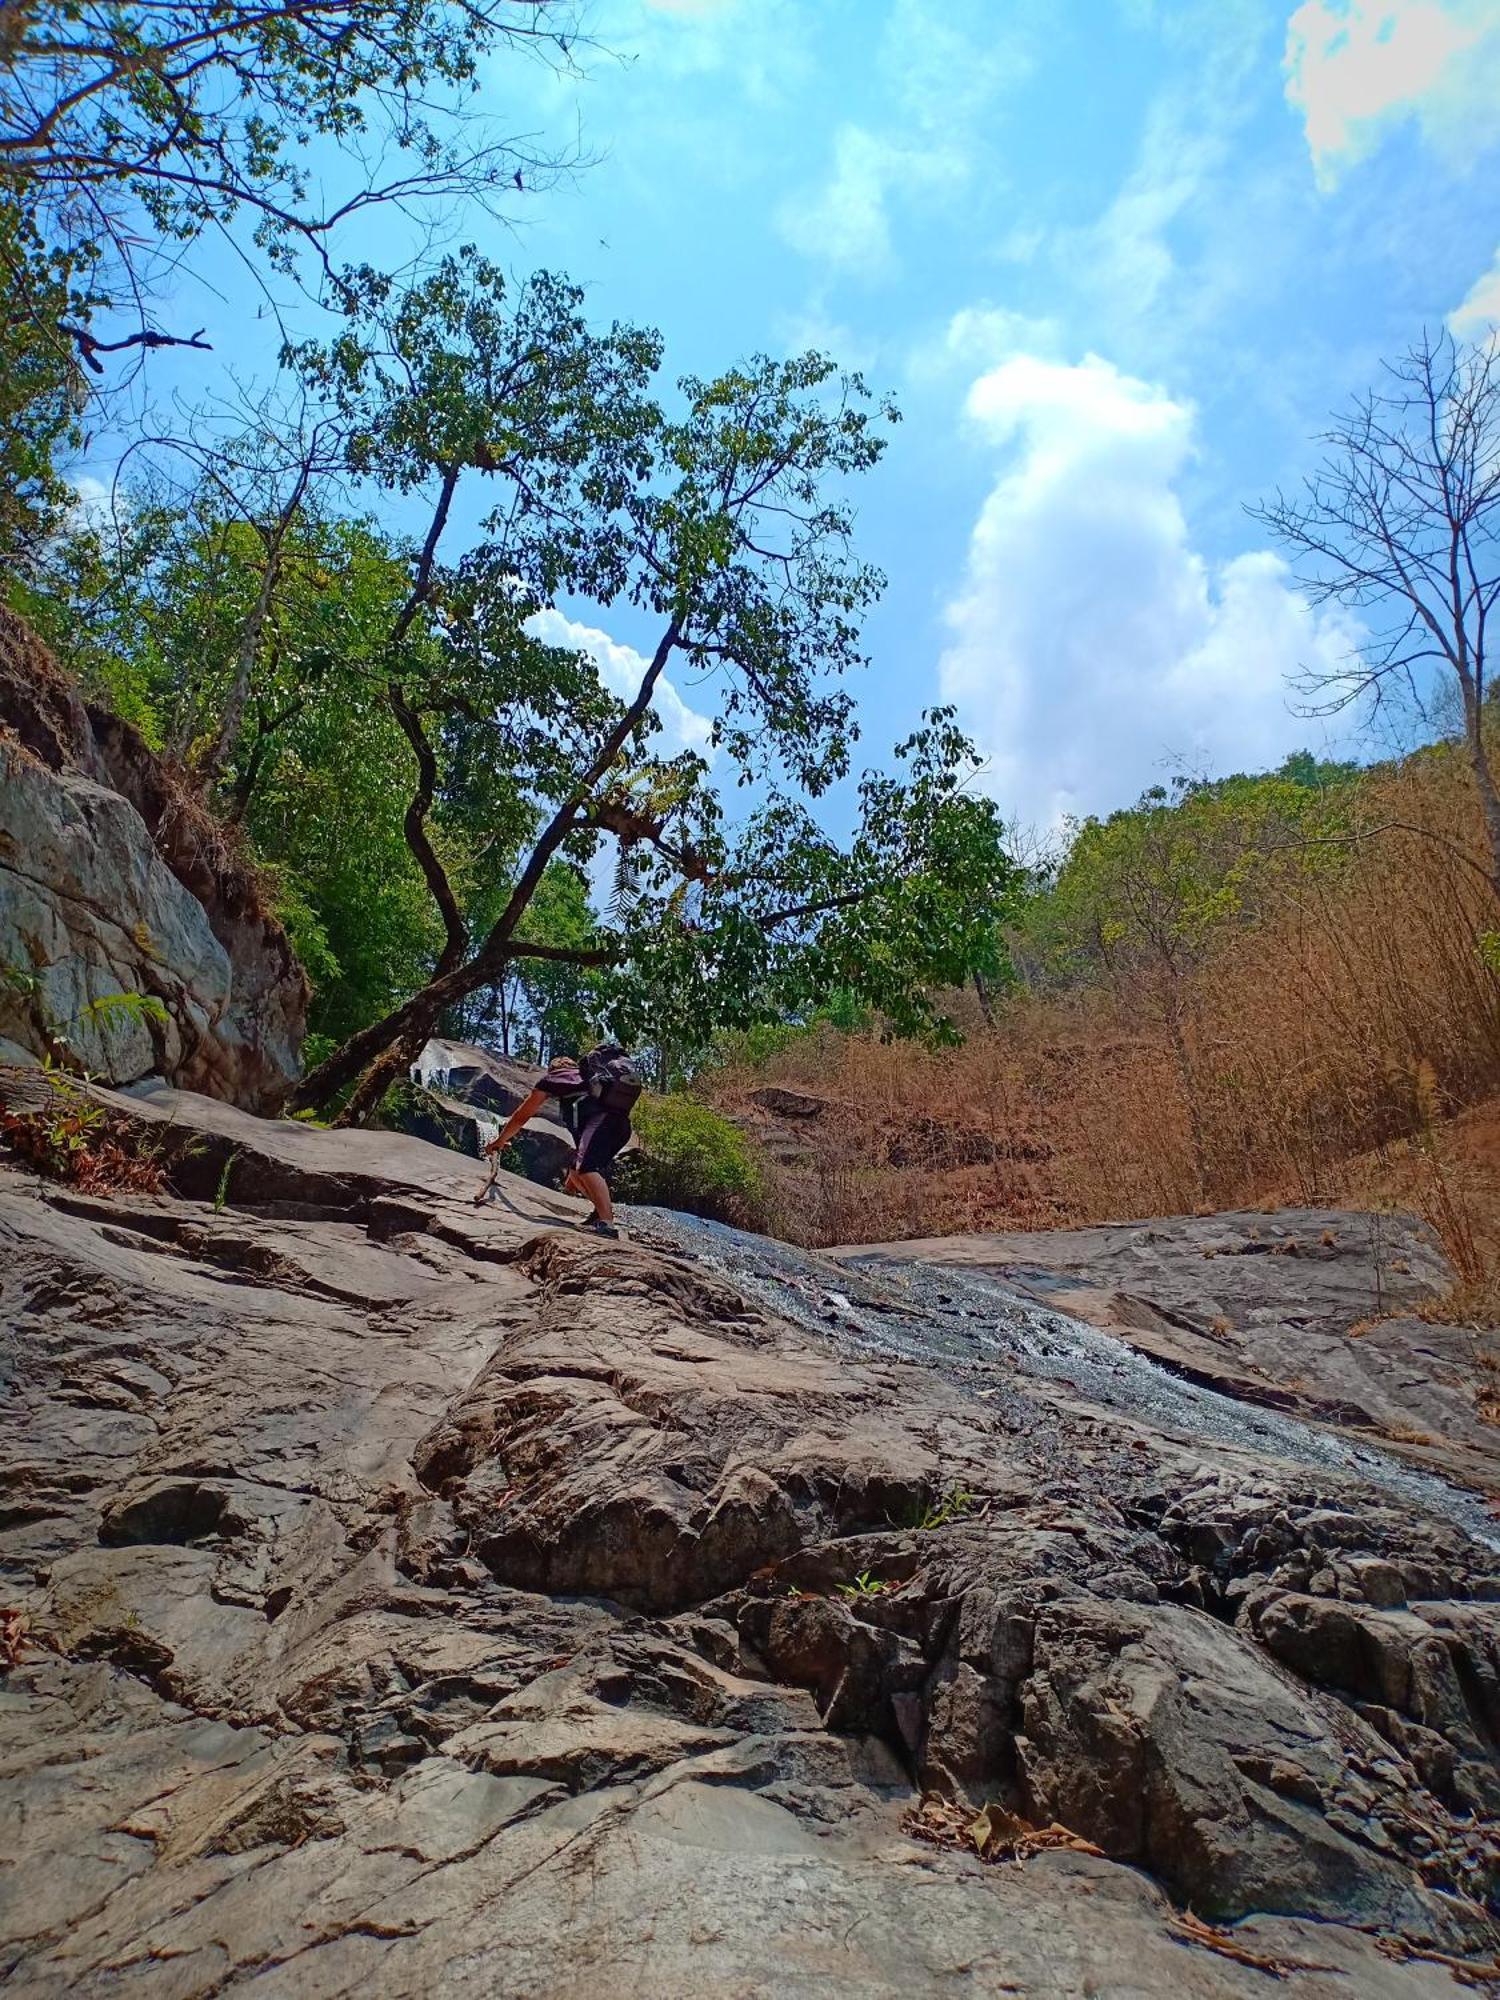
point(322, 1085)
point(381, 1074)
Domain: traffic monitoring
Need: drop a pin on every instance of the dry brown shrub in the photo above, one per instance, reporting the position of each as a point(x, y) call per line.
point(1320, 1052)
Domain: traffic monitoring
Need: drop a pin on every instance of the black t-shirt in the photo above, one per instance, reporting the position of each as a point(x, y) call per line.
point(580, 1110)
point(571, 1098)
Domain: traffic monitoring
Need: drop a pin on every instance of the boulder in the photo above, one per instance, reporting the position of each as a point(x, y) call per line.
point(471, 1091)
point(131, 938)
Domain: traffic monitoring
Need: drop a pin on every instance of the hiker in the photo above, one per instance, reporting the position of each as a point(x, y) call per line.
point(597, 1094)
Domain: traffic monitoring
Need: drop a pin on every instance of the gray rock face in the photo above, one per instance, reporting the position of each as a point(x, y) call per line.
point(476, 1090)
point(427, 1599)
point(1302, 1310)
point(111, 894)
point(89, 912)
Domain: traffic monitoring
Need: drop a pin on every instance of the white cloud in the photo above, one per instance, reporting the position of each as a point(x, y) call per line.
point(1479, 315)
point(1126, 258)
point(1092, 645)
point(846, 222)
point(944, 62)
point(622, 669)
point(1355, 68)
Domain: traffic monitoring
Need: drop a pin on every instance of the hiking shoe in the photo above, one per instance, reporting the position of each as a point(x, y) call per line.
point(595, 1227)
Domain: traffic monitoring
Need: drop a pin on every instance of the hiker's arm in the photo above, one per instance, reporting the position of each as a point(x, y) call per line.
point(524, 1111)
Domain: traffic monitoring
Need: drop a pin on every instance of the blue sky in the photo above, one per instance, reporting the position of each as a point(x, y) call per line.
point(1116, 258)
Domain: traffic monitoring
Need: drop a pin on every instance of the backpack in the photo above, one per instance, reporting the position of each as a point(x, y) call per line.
point(612, 1078)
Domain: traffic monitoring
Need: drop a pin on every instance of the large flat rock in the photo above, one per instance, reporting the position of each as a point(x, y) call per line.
point(1308, 1310)
point(424, 1598)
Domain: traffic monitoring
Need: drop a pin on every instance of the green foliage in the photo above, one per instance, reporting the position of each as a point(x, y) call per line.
point(56, 1139)
point(137, 1008)
point(1154, 885)
point(954, 1505)
point(866, 1584)
point(41, 386)
point(394, 738)
point(541, 1007)
point(131, 130)
point(693, 1158)
point(797, 925)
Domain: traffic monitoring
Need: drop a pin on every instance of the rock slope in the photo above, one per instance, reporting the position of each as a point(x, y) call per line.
point(428, 1599)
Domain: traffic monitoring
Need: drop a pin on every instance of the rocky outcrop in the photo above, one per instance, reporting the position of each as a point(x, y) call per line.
point(129, 933)
point(471, 1092)
point(1306, 1310)
point(422, 1598)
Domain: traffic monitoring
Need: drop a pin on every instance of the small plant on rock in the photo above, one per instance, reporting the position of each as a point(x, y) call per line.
point(866, 1584)
point(956, 1504)
point(135, 1007)
point(52, 1123)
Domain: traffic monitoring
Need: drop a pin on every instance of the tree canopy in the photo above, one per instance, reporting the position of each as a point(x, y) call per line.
point(433, 784)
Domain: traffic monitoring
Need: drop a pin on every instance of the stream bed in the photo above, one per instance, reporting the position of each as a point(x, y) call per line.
point(991, 1340)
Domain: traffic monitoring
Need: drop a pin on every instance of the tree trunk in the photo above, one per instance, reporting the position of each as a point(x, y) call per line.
point(445, 987)
point(381, 1074)
point(1484, 781)
point(232, 715)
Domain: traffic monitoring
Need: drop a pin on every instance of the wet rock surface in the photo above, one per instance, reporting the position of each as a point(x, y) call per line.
point(424, 1598)
point(1305, 1310)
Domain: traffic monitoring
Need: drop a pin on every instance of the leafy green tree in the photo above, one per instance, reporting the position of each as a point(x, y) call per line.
point(42, 387)
point(725, 518)
point(128, 130)
point(542, 1007)
point(151, 609)
point(314, 670)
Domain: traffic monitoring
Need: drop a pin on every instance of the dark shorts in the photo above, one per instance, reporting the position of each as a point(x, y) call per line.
point(601, 1134)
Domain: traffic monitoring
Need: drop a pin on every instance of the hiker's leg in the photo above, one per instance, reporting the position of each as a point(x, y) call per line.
point(596, 1187)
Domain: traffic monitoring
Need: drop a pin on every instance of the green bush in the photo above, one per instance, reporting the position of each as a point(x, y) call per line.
point(692, 1158)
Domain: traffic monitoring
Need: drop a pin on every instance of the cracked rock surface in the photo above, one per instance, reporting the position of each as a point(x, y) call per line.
point(427, 1599)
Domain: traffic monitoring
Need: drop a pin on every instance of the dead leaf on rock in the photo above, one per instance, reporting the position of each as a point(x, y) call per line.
point(14, 1627)
point(994, 1833)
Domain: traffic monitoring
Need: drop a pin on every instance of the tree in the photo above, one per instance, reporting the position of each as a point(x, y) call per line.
point(308, 665)
point(1401, 525)
point(128, 130)
point(542, 1006)
point(150, 606)
point(42, 386)
point(163, 117)
point(724, 519)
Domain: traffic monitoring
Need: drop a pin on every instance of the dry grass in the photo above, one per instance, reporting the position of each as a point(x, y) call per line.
point(1320, 1057)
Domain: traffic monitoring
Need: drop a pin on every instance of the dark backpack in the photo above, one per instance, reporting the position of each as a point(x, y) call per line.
point(612, 1078)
